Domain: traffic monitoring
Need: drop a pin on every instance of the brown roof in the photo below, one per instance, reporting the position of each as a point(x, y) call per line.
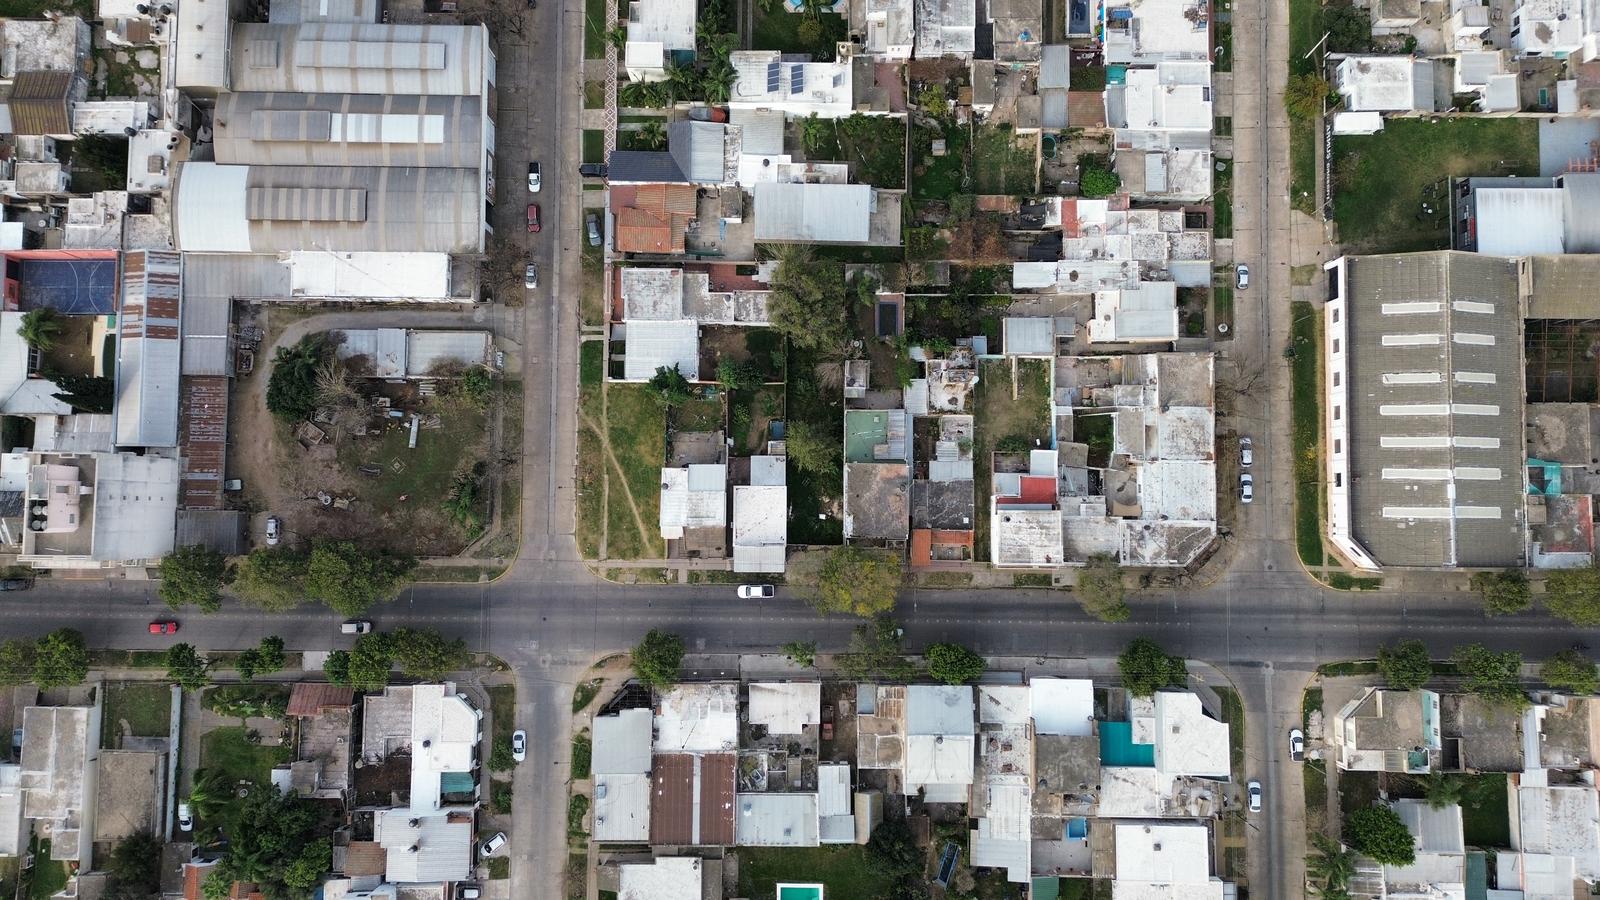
point(194, 875)
point(38, 103)
point(672, 798)
point(677, 199)
point(639, 231)
point(203, 439)
point(364, 858)
point(717, 782)
point(310, 699)
point(652, 218)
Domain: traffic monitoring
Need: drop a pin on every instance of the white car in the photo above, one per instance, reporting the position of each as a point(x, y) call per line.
point(185, 817)
point(274, 531)
point(355, 626)
point(530, 276)
point(492, 844)
point(757, 592)
point(534, 181)
point(1247, 488)
point(1247, 452)
point(1252, 790)
point(1297, 744)
point(1241, 276)
point(519, 745)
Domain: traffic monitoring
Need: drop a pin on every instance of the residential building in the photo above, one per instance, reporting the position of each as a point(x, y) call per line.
point(660, 34)
point(694, 498)
point(323, 767)
point(1168, 861)
point(425, 848)
point(59, 777)
point(1015, 29)
point(693, 772)
point(1440, 867)
point(1555, 831)
point(1146, 32)
point(765, 80)
point(1397, 84)
point(940, 742)
point(1388, 731)
point(1171, 96)
point(801, 213)
point(1421, 405)
point(663, 878)
point(99, 510)
point(887, 27)
point(877, 475)
point(785, 707)
point(1187, 741)
point(621, 770)
point(761, 517)
point(1485, 73)
point(1527, 216)
point(1025, 522)
point(440, 731)
point(663, 310)
point(147, 349)
point(1002, 789)
point(45, 76)
point(1548, 28)
point(945, 28)
point(1146, 313)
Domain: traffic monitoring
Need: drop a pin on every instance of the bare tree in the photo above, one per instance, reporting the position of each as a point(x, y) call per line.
point(507, 16)
point(1241, 377)
point(502, 267)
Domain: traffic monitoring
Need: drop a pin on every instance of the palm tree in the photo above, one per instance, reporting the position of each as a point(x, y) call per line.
point(40, 327)
point(683, 82)
point(1332, 867)
point(209, 793)
point(653, 135)
point(1441, 790)
point(617, 35)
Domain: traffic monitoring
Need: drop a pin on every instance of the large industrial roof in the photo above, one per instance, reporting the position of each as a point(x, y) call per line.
point(326, 129)
point(1435, 410)
point(380, 59)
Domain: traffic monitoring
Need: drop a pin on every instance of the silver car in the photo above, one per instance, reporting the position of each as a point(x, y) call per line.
point(492, 844)
point(1247, 452)
point(1247, 488)
point(593, 226)
point(530, 276)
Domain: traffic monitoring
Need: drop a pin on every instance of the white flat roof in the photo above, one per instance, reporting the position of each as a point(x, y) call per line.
point(622, 805)
point(776, 820)
point(444, 733)
point(622, 743)
point(785, 707)
point(135, 506)
point(1520, 221)
point(813, 213)
point(649, 346)
point(667, 878)
point(1187, 741)
point(377, 275)
point(698, 718)
point(1062, 706)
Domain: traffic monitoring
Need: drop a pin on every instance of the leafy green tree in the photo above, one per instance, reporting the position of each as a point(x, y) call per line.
point(60, 659)
point(1349, 28)
point(17, 661)
point(1441, 789)
point(657, 658)
point(349, 579)
point(369, 663)
point(670, 387)
point(304, 872)
point(804, 653)
point(1406, 666)
point(1146, 668)
point(40, 328)
point(337, 668)
point(187, 667)
point(1098, 182)
point(1101, 591)
point(193, 575)
point(856, 581)
point(1306, 95)
point(216, 886)
point(953, 663)
point(644, 95)
point(278, 843)
point(1378, 832)
point(876, 652)
point(1503, 592)
point(1572, 672)
point(86, 393)
point(810, 451)
point(272, 578)
point(1331, 867)
point(292, 390)
point(808, 300)
point(1574, 595)
point(135, 867)
point(262, 659)
point(893, 850)
point(734, 375)
point(427, 654)
point(1493, 675)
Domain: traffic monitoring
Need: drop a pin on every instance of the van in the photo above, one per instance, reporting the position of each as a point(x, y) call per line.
point(356, 626)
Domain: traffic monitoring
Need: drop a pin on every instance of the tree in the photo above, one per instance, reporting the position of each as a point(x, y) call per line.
point(876, 653)
point(1331, 867)
point(277, 843)
point(734, 375)
point(1441, 789)
point(856, 581)
point(893, 850)
point(349, 579)
point(1493, 675)
point(809, 451)
point(272, 578)
point(1503, 592)
point(1574, 595)
point(368, 664)
point(644, 95)
point(427, 654)
point(135, 867)
point(187, 667)
point(953, 663)
point(808, 300)
point(16, 661)
point(1094, 181)
point(1377, 831)
point(193, 575)
point(1101, 591)
point(1406, 666)
point(40, 328)
point(502, 267)
point(209, 793)
point(809, 31)
point(86, 393)
point(1147, 668)
point(60, 659)
point(1349, 28)
point(802, 653)
point(262, 659)
point(1306, 95)
point(652, 135)
point(1572, 672)
point(657, 658)
point(292, 389)
point(337, 667)
point(670, 387)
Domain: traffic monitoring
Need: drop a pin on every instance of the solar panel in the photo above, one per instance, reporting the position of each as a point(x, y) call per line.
point(772, 78)
point(797, 78)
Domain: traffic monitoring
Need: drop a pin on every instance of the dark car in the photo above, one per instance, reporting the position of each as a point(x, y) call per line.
point(533, 218)
point(592, 170)
point(15, 584)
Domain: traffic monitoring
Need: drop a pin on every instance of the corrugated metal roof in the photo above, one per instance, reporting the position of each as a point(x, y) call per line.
point(326, 129)
point(309, 699)
point(644, 167)
point(38, 103)
point(813, 213)
point(221, 530)
point(700, 150)
point(147, 349)
point(1055, 62)
point(426, 349)
point(343, 58)
point(443, 842)
point(653, 345)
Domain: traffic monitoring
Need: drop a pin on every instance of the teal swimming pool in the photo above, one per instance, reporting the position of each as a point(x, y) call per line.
point(799, 892)
point(1118, 749)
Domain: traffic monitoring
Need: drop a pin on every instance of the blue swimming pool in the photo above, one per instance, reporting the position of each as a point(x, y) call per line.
point(1118, 749)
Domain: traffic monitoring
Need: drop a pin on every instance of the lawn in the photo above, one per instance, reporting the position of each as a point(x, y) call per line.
point(593, 303)
point(594, 95)
point(698, 415)
point(1307, 415)
point(594, 145)
point(813, 498)
point(938, 177)
point(637, 429)
point(503, 707)
point(1484, 816)
point(147, 708)
point(749, 414)
point(778, 29)
point(999, 165)
point(424, 476)
point(846, 871)
point(1233, 715)
point(47, 877)
point(1000, 419)
point(594, 29)
point(1222, 200)
point(1380, 178)
point(874, 145)
point(1222, 310)
point(582, 754)
point(1303, 165)
point(227, 751)
point(1305, 30)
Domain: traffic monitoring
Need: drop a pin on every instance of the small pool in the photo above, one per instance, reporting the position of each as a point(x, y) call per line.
point(799, 892)
point(1077, 829)
point(1118, 749)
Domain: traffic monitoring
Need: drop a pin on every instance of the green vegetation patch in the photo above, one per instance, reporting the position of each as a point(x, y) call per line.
point(582, 753)
point(938, 177)
point(812, 496)
point(1485, 818)
point(637, 428)
point(594, 29)
point(425, 476)
point(999, 165)
point(1222, 200)
point(146, 710)
point(503, 707)
point(594, 95)
point(229, 752)
point(1305, 344)
point(874, 145)
point(594, 145)
point(846, 869)
point(1344, 581)
point(778, 29)
point(1003, 423)
point(1303, 165)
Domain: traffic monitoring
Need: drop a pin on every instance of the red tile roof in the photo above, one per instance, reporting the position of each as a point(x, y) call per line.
point(308, 699)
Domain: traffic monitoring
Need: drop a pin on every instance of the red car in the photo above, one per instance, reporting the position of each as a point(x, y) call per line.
point(533, 218)
point(163, 627)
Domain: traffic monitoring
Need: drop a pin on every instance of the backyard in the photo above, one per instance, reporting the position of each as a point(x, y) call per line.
point(1006, 423)
point(938, 175)
point(1000, 165)
point(229, 751)
point(137, 710)
point(1305, 344)
point(1392, 188)
point(778, 29)
point(815, 498)
point(875, 146)
point(845, 871)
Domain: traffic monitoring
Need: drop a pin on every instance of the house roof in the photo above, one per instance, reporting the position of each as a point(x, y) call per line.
point(38, 103)
point(622, 807)
point(1386, 83)
point(785, 707)
point(760, 525)
point(1063, 706)
point(147, 349)
point(308, 699)
point(1187, 741)
point(692, 800)
point(664, 878)
point(443, 843)
point(698, 718)
point(813, 213)
point(644, 167)
point(622, 743)
point(776, 820)
point(652, 345)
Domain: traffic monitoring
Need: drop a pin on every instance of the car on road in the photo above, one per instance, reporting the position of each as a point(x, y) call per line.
point(1297, 744)
point(757, 592)
point(167, 627)
point(534, 181)
point(592, 170)
point(1241, 276)
point(530, 276)
point(1247, 452)
point(1252, 790)
point(492, 844)
point(592, 225)
point(355, 626)
point(15, 584)
point(519, 745)
point(533, 218)
point(1247, 488)
point(274, 531)
point(185, 817)
point(472, 891)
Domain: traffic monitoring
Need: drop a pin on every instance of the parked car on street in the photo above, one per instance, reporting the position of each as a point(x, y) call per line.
point(1241, 276)
point(167, 627)
point(757, 592)
point(592, 170)
point(1253, 790)
point(534, 181)
point(519, 745)
point(592, 224)
point(1297, 744)
point(530, 276)
point(15, 584)
point(1247, 452)
point(492, 844)
point(1247, 488)
point(533, 218)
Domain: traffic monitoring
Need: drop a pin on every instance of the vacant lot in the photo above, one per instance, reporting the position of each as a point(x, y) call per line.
point(636, 426)
point(1004, 423)
point(140, 710)
point(1382, 181)
point(938, 176)
point(229, 751)
point(874, 145)
point(815, 500)
point(1000, 165)
point(846, 870)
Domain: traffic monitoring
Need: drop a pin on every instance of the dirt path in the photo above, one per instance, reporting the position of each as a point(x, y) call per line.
point(605, 442)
